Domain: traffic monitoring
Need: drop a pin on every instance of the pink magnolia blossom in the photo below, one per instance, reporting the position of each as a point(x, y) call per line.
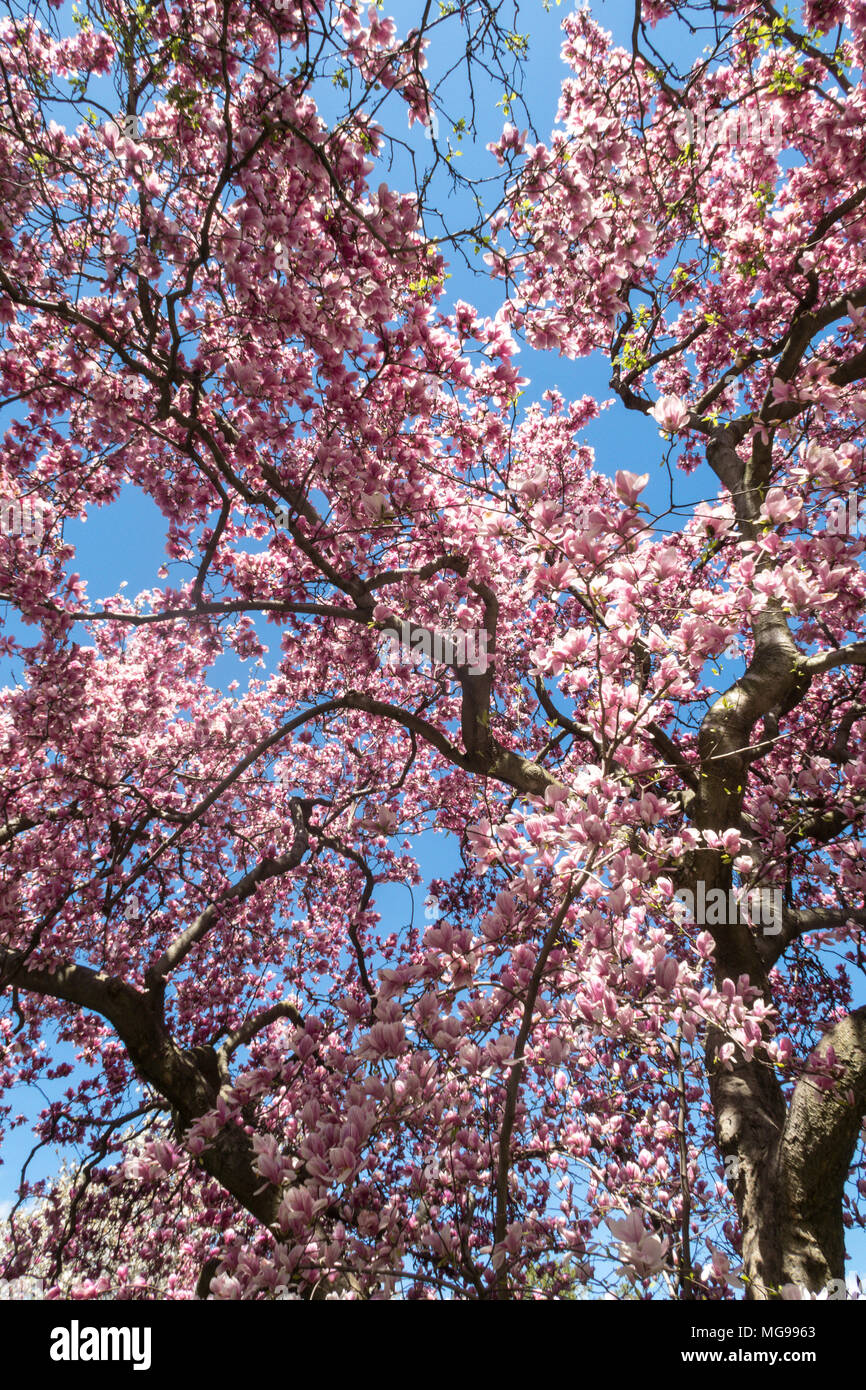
point(671, 414)
point(642, 1253)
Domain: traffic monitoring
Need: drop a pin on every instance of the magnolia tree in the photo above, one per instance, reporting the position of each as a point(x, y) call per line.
point(620, 1047)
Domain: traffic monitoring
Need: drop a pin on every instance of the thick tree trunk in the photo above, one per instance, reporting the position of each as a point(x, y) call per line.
point(814, 1159)
point(787, 1169)
point(750, 1115)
